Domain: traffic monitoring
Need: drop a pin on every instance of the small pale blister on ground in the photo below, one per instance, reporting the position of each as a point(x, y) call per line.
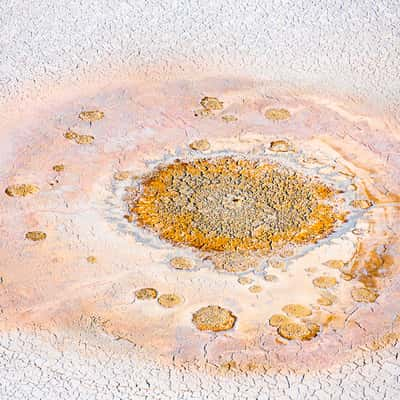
point(182, 263)
point(293, 331)
point(146, 294)
point(229, 118)
point(297, 310)
point(277, 320)
point(129, 217)
point(78, 138)
point(297, 331)
point(336, 264)
point(71, 135)
point(35, 236)
point(91, 115)
point(211, 103)
point(279, 146)
point(255, 289)
point(324, 301)
point(347, 277)
point(245, 280)
point(21, 190)
point(169, 300)
point(325, 282)
point(277, 264)
point(58, 167)
point(121, 175)
point(314, 330)
point(213, 318)
point(203, 113)
point(84, 139)
point(231, 262)
point(362, 204)
point(277, 114)
point(364, 295)
point(200, 145)
point(270, 278)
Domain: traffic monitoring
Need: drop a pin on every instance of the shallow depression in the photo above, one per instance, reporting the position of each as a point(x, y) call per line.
point(232, 204)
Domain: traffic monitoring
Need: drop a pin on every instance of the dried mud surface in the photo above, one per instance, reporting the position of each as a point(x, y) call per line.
point(75, 258)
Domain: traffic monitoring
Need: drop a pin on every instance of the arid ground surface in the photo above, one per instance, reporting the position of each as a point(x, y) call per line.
point(197, 208)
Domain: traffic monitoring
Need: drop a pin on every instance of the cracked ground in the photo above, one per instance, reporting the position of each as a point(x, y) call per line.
point(197, 209)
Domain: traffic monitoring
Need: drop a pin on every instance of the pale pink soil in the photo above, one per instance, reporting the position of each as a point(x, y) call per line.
point(50, 284)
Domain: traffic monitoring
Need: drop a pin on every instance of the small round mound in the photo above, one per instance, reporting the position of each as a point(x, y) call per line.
point(296, 331)
point(213, 318)
point(325, 282)
point(91, 115)
point(146, 294)
point(277, 320)
point(21, 190)
point(297, 310)
point(293, 330)
point(182, 263)
point(277, 114)
point(364, 295)
point(169, 300)
point(35, 236)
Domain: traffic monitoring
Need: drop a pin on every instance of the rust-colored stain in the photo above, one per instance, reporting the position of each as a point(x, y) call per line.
point(228, 204)
point(21, 190)
point(370, 264)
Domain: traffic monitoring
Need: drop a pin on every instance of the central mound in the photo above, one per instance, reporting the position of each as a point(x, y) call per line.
point(225, 204)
